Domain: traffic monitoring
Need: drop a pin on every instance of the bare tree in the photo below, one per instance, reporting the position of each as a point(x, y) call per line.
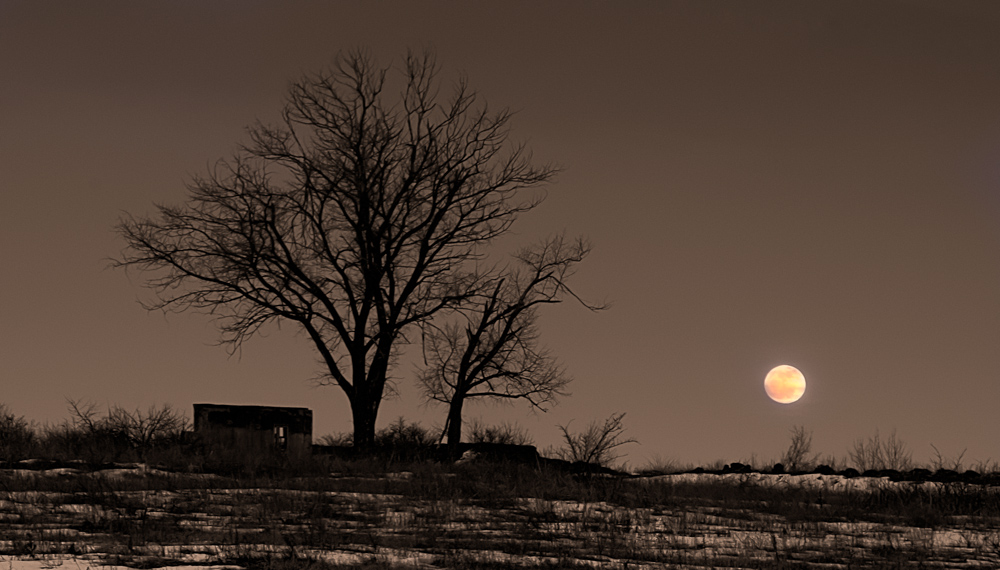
point(797, 456)
point(493, 352)
point(359, 216)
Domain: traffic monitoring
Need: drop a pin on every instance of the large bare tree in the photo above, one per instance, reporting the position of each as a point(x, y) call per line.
point(491, 350)
point(362, 214)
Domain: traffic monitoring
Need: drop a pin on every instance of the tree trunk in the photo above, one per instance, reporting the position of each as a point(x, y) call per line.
point(369, 387)
point(364, 424)
point(455, 423)
point(364, 412)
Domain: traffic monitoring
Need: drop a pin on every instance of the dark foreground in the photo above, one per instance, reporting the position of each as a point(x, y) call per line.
point(491, 516)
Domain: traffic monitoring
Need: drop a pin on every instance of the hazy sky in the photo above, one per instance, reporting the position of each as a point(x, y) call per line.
point(764, 183)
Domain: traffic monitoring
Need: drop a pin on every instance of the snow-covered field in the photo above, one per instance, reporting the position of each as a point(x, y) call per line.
point(136, 517)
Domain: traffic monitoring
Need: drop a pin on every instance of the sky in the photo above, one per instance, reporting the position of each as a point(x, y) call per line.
point(764, 183)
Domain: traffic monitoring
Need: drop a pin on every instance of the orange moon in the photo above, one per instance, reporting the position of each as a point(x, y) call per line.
point(785, 384)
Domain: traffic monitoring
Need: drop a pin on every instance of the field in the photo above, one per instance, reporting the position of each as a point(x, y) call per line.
point(487, 515)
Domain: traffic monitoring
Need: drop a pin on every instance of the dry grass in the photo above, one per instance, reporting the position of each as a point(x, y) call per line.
point(490, 516)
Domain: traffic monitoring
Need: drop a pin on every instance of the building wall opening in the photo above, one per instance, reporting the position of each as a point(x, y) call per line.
point(281, 437)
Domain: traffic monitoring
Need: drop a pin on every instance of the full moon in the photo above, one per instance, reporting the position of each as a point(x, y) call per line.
point(785, 384)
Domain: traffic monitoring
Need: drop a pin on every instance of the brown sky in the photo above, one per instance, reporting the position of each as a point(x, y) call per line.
point(804, 183)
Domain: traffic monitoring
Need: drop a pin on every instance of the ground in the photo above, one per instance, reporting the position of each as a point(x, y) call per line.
point(435, 517)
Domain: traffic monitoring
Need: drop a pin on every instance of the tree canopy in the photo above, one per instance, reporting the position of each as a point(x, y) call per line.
point(364, 212)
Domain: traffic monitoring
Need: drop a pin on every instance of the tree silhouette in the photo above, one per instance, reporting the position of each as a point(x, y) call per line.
point(359, 216)
point(492, 351)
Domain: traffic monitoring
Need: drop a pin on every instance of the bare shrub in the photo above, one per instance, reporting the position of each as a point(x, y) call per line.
point(755, 463)
point(402, 441)
point(714, 466)
point(400, 433)
point(986, 466)
point(146, 429)
point(506, 433)
point(67, 442)
point(17, 438)
point(797, 456)
point(141, 429)
point(116, 435)
point(834, 462)
point(876, 453)
point(399, 441)
point(337, 439)
point(597, 443)
point(940, 462)
point(659, 465)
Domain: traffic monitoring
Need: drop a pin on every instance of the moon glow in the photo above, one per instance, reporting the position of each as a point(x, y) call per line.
point(785, 384)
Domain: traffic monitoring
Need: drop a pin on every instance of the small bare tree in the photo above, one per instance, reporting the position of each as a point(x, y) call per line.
point(597, 443)
point(493, 352)
point(796, 457)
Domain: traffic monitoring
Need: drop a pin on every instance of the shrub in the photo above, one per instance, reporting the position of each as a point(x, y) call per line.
point(878, 454)
point(660, 465)
point(402, 441)
point(17, 438)
point(939, 461)
point(504, 434)
point(117, 435)
point(597, 443)
point(342, 439)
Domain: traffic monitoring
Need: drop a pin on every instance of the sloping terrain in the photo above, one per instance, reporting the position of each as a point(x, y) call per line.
point(491, 518)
